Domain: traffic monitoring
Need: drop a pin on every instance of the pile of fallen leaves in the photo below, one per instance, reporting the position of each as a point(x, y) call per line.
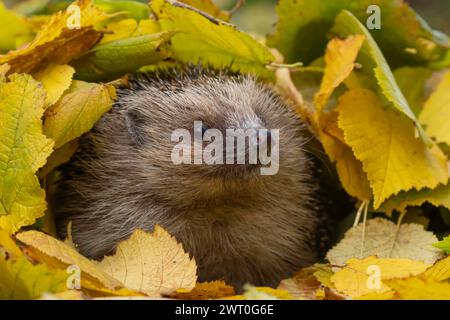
point(377, 100)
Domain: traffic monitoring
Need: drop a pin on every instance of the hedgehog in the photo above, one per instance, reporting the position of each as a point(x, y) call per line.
point(238, 224)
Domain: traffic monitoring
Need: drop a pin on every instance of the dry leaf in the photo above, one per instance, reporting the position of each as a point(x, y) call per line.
point(411, 242)
point(340, 56)
point(154, 264)
point(56, 79)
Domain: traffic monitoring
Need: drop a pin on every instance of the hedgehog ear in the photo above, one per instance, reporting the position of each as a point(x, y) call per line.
point(135, 121)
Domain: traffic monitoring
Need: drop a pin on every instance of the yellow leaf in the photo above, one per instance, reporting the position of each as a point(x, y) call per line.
point(205, 291)
point(23, 150)
point(56, 79)
point(436, 112)
point(65, 295)
point(420, 289)
point(340, 56)
point(439, 272)
point(56, 42)
point(128, 28)
point(94, 289)
point(56, 253)
point(349, 169)
point(218, 44)
point(383, 239)
point(8, 248)
point(14, 28)
point(383, 140)
point(22, 280)
point(154, 264)
point(59, 157)
point(4, 68)
point(77, 111)
point(388, 295)
point(323, 274)
point(354, 281)
point(265, 293)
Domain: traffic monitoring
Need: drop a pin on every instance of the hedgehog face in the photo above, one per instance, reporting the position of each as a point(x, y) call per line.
point(202, 137)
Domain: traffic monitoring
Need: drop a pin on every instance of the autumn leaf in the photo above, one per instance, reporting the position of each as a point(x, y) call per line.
point(18, 29)
point(308, 21)
point(340, 56)
point(154, 264)
point(59, 157)
point(205, 291)
point(265, 293)
point(215, 43)
point(374, 62)
point(302, 285)
point(420, 289)
point(439, 196)
point(382, 239)
point(129, 28)
point(55, 42)
point(435, 115)
point(56, 79)
point(77, 111)
point(4, 68)
point(440, 271)
point(22, 280)
point(383, 140)
point(353, 280)
point(23, 150)
point(349, 168)
point(8, 247)
point(58, 254)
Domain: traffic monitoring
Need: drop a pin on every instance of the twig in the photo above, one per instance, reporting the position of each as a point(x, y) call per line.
point(358, 213)
point(397, 231)
point(363, 235)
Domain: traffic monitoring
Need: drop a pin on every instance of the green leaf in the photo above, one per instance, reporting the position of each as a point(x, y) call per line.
point(113, 59)
point(444, 244)
point(411, 81)
point(77, 111)
point(301, 32)
point(23, 280)
point(23, 150)
point(214, 43)
point(373, 61)
point(133, 9)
